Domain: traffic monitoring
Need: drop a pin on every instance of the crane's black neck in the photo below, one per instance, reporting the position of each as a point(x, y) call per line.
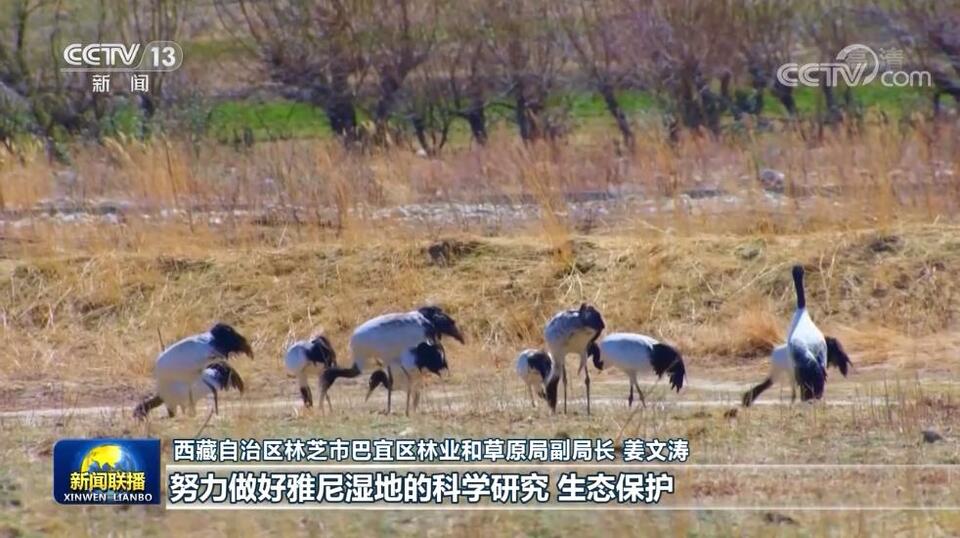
point(798, 284)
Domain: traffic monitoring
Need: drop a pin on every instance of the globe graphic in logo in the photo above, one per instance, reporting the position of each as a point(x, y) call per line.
point(108, 458)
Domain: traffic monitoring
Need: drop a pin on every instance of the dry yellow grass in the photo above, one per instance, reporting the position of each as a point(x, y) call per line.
point(97, 314)
point(286, 240)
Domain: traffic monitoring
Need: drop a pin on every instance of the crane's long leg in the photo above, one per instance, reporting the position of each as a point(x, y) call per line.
point(563, 372)
point(324, 395)
point(305, 389)
point(307, 395)
point(586, 382)
point(636, 384)
point(216, 400)
point(632, 380)
point(389, 388)
point(409, 389)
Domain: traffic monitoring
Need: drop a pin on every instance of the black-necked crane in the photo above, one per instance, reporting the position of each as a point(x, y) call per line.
point(214, 378)
point(805, 352)
point(181, 370)
point(384, 339)
point(533, 368)
point(573, 331)
point(413, 365)
point(782, 368)
point(636, 354)
point(308, 358)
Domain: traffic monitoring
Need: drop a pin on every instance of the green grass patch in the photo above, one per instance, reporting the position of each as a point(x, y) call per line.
point(892, 101)
point(267, 120)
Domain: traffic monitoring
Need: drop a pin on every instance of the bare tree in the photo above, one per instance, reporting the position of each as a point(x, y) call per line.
point(312, 47)
point(463, 61)
point(831, 26)
point(591, 28)
point(678, 47)
point(399, 36)
point(526, 57)
point(929, 32)
point(144, 21)
point(34, 95)
point(765, 32)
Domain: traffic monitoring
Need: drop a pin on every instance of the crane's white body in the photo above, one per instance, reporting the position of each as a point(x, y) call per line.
point(405, 375)
point(781, 364)
point(185, 360)
point(638, 354)
point(525, 372)
point(568, 332)
point(565, 334)
point(628, 352)
point(179, 371)
point(183, 370)
point(532, 378)
point(299, 365)
point(182, 395)
point(386, 338)
point(804, 340)
point(383, 340)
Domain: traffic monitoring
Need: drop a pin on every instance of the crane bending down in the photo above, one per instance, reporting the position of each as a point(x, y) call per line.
point(533, 368)
point(415, 364)
point(181, 366)
point(574, 331)
point(384, 340)
point(308, 358)
point(215, 378)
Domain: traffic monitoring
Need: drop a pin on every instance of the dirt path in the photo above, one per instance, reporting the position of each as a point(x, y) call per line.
point(433, 400)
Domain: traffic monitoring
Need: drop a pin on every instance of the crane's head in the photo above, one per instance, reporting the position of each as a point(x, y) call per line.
point(441, 324)
point(228, 341)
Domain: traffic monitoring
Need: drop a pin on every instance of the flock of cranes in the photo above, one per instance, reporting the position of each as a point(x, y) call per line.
point(403, 348)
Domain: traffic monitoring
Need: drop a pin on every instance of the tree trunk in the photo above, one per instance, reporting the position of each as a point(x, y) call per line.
point(833, 112)
point(342, 116)
point(338, 104)
point(615, 110)
point(784, 94)
point(523, 118)
point(477, 118)
point(389, 87)
point(420, 130)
